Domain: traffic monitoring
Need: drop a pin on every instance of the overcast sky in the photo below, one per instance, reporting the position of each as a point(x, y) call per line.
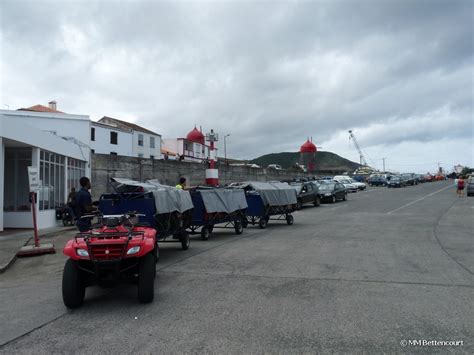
point(270, 74)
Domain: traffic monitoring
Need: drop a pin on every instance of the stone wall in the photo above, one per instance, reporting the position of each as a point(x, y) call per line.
point(168, 172)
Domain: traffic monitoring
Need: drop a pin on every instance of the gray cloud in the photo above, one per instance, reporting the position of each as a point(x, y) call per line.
point(269, 73)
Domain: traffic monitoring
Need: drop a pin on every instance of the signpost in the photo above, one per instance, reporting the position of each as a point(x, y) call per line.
point(35, 249)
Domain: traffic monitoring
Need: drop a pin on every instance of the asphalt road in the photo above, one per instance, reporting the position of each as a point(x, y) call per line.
point(365, 275)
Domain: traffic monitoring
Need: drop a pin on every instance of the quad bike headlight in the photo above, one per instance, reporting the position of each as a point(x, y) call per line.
point(82, 252)
point(133, 250)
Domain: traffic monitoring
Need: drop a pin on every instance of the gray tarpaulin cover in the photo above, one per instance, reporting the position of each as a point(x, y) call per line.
point(272, 193)
point(167, 198)
point(223, 200)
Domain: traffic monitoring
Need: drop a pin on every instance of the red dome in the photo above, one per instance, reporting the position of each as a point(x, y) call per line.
point(195, 136)
point(308, 147)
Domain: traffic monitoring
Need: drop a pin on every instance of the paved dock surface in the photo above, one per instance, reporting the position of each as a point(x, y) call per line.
point(372, 274)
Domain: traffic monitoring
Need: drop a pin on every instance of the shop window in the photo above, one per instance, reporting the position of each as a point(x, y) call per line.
point(16, 185)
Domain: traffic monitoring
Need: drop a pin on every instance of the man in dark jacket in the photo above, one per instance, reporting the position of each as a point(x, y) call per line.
point(83, 205)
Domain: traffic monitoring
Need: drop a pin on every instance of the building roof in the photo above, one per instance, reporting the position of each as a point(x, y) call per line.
point(308, 147)
point(133, 126)
point(196, 136)
point(39, 108)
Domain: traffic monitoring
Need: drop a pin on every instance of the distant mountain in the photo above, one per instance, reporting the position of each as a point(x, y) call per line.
point(324, 161)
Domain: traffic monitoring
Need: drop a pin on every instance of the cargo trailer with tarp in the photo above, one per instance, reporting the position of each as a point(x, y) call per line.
point(165, 208)
point(267, 201)
point(217, 208)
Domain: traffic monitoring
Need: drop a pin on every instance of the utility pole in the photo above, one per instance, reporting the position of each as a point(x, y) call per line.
point(383, 159)
point(225, 147)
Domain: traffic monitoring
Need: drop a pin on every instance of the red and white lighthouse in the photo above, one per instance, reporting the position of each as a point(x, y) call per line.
point(308, 155)
point(212, 174)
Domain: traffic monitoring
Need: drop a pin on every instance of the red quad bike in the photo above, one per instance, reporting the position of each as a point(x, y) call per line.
point(114, 251)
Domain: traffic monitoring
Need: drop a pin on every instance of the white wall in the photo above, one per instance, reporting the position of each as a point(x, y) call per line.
point(24, 219)
point(145, 149)
point(171, 144)
point(102, 145)
point(65, 125)
point(2, 176)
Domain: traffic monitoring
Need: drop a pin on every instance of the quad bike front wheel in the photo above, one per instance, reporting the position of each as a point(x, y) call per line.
point(73, 286)
point(146, 278)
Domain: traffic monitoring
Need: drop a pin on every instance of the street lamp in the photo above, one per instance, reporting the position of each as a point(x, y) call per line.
point(225, 147)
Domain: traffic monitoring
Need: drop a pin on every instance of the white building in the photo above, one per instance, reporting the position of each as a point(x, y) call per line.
point(106, 139)
point(57, 145)
point(191, 148)
point(145, 143)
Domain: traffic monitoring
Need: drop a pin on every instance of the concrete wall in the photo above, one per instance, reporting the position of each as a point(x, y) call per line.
point(2, 174)
point(168, 172)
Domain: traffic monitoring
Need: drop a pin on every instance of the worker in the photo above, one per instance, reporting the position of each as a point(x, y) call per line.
point(182, 183)
point(83, 205)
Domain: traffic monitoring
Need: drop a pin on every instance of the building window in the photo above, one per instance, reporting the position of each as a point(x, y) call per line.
point(113, 153)
point(52, 192)
point(75, 170)
point(92, 151)
point(92, 134)
point(113, 137)
point(140, 140)
point(152, 142)
point(17, 161)
point(152, 157)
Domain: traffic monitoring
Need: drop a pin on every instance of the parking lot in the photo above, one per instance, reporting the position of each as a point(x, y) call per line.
point(385, 267)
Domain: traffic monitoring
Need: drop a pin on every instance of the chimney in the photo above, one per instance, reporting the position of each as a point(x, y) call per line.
point(52, 105)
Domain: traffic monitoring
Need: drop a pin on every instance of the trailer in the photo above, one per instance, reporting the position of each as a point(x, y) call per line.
point(165, 208)
point(268, 201)
point(217, 208)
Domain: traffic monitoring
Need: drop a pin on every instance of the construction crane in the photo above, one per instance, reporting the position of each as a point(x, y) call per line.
point(361, 155)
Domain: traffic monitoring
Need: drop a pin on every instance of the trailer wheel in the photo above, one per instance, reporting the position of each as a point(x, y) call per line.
point(289, 219)
point(245, 222)
point(205, 233)
point(146, 279)
point(73, 287)
point(262, 222)
point(185, 240)
point(238, 226)
point(211, 228)
point(317, 202)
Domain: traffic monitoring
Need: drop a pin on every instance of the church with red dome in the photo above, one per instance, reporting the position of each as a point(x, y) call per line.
point(191, 148)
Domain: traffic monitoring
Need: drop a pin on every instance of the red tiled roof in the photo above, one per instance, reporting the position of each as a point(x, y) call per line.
point(130, 125)
point(39, 108)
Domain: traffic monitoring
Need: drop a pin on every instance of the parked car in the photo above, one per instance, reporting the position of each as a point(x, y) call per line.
point(396, 181)
point(307, 192)
point(331, 192)
point(348, 185)
point(377, 181)
point(470, 186)
point(429, 178)
point(420, 178)
point(409, 179)
point(360, 185)
point(274, 166)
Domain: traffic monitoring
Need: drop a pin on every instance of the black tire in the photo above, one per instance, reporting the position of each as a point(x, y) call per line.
point(333, 199)
point(262, 222)
point(245, 222)
point(317, 202)
point(205, 233)
point(211, 228)
point(238, 226)
point(345, 197)
point(146, 278)
point(299, 205)
point(290, 220)
point(73, 287)
point(185, 240)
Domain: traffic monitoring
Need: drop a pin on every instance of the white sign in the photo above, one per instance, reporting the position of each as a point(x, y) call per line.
point(33, 178)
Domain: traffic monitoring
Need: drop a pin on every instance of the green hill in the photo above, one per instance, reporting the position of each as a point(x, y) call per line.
point(324, 161)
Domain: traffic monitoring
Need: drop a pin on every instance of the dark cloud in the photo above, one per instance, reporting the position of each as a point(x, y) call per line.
point(269, 73)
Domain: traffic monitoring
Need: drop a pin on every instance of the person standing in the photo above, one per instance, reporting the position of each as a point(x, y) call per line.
point(182, 183)
point(83, 205)
point(460, 189)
